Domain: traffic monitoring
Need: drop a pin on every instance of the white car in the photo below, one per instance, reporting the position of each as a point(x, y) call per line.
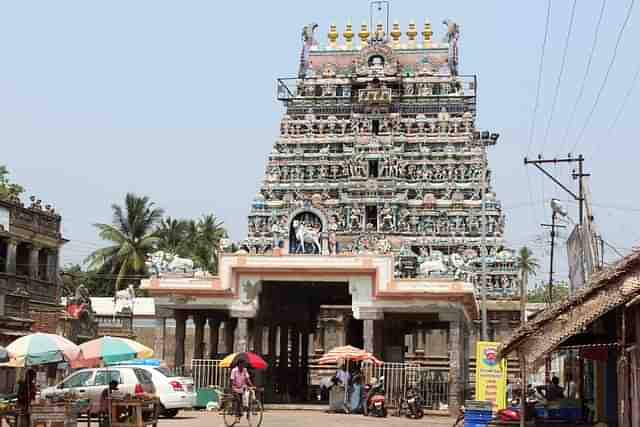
point(175, 392)
point(89, 383)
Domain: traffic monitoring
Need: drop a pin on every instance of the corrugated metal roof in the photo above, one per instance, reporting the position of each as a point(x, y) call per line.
point(103, 306)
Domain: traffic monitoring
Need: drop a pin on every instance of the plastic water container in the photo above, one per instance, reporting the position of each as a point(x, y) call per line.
point(477, 417)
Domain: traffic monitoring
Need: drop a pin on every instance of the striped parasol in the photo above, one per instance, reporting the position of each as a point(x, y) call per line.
point(112, 349)
point(347, 352)
point(41, 349)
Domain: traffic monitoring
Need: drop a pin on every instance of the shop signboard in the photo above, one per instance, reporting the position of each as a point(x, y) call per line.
point(491, 374)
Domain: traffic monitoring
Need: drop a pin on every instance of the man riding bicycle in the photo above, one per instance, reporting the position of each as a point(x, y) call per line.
point(240, 382)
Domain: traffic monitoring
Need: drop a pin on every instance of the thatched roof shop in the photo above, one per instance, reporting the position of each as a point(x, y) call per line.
point(563, 323)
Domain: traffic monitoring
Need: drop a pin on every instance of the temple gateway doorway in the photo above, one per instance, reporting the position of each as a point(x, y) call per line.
point(298, 322)
point(304, 233)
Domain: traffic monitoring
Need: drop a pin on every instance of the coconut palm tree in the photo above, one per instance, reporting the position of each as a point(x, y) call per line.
point(528, 266)
point(173, 236)
point(132, 233)
point(208, 232)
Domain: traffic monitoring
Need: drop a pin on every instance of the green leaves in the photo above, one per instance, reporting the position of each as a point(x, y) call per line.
point(132, 234)
point(195, 239)
point(8, 189)
point(138, 229)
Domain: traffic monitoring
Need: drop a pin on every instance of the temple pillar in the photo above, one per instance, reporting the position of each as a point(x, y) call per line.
point(378, 338)
point(284, 346)
point(271, 350)
point(304, 357)
point(241, 337)
point(419, 339)
point(295, 346)
point(181, 321)
point(369, 335)
point(198, 341)
point(214, 337)
point(318, 338)
point(52, 265)
point(12, 251)
point(258, 342)
point(228, 332)
point(456, 368)
point(34, 256)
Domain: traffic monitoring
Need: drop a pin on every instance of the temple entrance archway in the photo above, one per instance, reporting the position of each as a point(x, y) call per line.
point(297, 321)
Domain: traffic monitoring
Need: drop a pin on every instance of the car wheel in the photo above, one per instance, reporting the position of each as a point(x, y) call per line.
point(169, 413)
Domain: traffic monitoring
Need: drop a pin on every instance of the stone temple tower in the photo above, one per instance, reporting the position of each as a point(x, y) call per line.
point(379, 152)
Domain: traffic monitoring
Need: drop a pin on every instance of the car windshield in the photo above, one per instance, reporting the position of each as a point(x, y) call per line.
point(165, 372)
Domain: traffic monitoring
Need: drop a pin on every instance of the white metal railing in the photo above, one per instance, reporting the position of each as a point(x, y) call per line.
point(431, 384)
point(208, 373)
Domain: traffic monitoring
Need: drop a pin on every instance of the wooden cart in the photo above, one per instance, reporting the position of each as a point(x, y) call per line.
point(135, 412)
point(54, 415)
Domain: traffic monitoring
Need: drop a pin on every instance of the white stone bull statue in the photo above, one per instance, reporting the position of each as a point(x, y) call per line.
point(124, 300)
point(433, 264)
point(182, 265)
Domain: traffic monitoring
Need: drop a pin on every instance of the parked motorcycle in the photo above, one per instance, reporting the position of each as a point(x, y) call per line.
point(374, 404)
point(414, 404)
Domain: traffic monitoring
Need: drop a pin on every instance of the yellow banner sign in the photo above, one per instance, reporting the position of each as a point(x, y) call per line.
point(491, 374)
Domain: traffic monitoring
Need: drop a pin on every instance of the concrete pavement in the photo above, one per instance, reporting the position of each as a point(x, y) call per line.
point(306, 419)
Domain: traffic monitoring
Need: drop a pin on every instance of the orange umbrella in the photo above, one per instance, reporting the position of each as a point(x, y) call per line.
point(347, 352)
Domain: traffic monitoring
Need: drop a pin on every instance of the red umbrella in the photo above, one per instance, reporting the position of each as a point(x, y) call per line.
point(252, 360)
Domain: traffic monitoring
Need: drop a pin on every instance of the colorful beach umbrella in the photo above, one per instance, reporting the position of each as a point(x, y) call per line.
point(252, 360)
point(112, 349)
point(41, 349)
point(4, 355)
point(347, 352)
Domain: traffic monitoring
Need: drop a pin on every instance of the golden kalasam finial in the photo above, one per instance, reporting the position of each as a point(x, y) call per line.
point(380, 31)
point(412, 32)
point(332, 35)
point(395, 32)
point(348, 33)
point(426, 34)
point(364, 33)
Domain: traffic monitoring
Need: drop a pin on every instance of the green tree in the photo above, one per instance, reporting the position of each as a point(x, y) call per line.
point(8, 189)
point(540, 294)
point(97, 285)
point(528, 265)
point(204, 240)
point(173, 236)
point(132, 233)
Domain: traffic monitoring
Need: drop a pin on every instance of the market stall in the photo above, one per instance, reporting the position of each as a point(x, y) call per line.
point(31, 352)
point(138, 411)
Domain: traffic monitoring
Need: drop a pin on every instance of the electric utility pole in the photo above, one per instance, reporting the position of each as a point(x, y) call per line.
point(483, 245)
point(540, 162)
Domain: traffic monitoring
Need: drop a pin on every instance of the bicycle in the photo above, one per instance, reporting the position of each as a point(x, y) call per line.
point(253, 411)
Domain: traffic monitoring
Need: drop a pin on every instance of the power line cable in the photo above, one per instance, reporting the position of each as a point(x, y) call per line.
point(540, 68)
point(606, 76)
point(560, 74)
point(586, 73)
point(623, 105)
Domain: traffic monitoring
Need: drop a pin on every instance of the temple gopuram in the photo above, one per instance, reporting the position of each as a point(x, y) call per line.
point(367, 229)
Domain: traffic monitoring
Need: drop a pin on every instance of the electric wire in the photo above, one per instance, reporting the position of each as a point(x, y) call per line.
point(540, 69)
point(606, 77)
point(560, 74)
point(586, 74)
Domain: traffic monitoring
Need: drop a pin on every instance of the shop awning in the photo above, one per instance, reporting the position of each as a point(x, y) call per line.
point(607, 290)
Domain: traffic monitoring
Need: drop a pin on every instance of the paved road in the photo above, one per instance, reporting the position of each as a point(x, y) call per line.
point(304, 419)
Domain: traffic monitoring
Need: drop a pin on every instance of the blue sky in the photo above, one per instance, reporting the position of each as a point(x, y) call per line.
point(176, 100)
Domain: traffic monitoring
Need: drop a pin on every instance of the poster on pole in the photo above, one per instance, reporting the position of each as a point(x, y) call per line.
point(491, 374)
